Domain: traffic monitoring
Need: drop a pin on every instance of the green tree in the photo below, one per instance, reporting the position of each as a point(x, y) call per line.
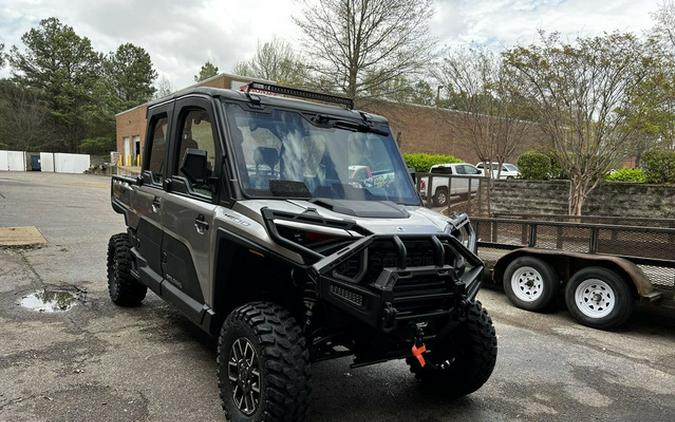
point(129, 76)
point(274, 61)
point(359, 46)
point(578, 88)
point(207, 70)
point(64, 69)
point(25, 119)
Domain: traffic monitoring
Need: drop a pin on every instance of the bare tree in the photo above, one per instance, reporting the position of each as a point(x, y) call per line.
point(579, 88)
point(164, 87)
point(489, 109)
point(358, 46)
point(275, 61)
point(664, 27)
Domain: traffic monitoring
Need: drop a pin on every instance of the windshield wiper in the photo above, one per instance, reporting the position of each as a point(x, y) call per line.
point(322, 120)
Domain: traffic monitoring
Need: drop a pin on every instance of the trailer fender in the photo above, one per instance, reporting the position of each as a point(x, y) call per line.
point(567, 263)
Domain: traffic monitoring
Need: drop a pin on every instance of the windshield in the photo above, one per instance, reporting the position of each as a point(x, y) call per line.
point(291, 154)
point(511, 167)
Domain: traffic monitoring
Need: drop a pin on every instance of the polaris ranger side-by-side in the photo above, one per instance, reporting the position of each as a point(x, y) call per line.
point(292, 230)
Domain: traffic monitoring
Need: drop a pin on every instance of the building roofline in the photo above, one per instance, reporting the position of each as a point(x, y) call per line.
point(195, 85)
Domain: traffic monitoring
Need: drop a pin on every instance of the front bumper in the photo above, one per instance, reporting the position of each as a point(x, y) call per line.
point(388, 280)
point(400, 293)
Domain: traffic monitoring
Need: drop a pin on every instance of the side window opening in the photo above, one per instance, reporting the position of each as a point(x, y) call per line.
point(158, 134)
point(197, 139)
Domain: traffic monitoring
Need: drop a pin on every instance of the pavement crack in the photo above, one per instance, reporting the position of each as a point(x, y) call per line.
point(36, 280)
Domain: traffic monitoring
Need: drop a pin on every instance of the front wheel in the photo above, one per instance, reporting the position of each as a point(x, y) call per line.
point(263, 365)
point(441, 197)
point(463, 361)
point(599, 298)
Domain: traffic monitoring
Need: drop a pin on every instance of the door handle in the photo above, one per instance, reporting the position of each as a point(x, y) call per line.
point(201, 226)
point(156, 204)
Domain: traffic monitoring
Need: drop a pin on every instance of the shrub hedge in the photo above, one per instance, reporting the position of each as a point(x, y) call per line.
point(535, 165)
point(422, 162)
point(627, 175)
point(659, 166)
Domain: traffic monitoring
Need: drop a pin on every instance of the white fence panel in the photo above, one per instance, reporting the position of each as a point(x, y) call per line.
point(71, 163)
point(3, 161)
point(47, 161)
point(16, 161)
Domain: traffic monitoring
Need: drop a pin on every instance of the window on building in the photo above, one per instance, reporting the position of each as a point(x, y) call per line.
point(197, 134)
point(158, 148)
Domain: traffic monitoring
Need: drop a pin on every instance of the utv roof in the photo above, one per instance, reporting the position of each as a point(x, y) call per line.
point(264, 99)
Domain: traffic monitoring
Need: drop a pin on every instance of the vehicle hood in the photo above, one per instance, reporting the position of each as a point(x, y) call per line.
point(399, 219)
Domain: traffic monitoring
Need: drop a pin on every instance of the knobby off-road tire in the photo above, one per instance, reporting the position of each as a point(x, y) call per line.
point(471, 350)
point(123, 288)
point(531, 283)
point(261, 348)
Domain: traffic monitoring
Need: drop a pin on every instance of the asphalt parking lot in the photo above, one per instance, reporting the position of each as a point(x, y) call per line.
point(99, 362)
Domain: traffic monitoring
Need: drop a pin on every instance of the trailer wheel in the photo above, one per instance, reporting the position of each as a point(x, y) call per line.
point(599, 298)
point(441, 197)
point(530, 283)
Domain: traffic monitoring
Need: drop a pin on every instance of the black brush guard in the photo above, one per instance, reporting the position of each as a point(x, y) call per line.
point(400, 292)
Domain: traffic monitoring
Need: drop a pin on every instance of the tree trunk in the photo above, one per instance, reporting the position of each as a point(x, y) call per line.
point(577, 196)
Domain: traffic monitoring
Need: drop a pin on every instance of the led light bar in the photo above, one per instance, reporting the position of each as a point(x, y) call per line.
point(265, 88)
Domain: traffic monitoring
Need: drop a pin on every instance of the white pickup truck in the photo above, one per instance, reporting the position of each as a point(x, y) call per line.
point(453, 179)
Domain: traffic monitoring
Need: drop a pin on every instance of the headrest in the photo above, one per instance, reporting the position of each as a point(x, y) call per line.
point(266, 155)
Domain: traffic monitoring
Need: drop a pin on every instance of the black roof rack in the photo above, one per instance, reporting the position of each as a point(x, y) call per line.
point(300, 93)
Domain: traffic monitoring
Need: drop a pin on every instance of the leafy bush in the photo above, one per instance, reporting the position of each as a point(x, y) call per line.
point(627, 175)
point(422, 162)
point(536, 165)
point(659, 166)
point(98, 146)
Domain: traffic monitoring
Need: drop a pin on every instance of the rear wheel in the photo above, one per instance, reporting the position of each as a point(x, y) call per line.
point(441, 197)
point(530, 283)
point(123, 288)
point(263, 365)
point(599, 298)
point(462, 362)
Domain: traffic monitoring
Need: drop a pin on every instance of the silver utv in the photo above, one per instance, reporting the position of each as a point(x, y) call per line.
point(292, 230)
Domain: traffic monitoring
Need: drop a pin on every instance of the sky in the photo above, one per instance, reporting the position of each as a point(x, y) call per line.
point(181, 35)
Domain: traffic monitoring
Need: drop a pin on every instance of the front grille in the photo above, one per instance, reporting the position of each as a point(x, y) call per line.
point(412, 295)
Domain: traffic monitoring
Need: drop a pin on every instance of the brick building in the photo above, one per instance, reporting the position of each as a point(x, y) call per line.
point(416, 128)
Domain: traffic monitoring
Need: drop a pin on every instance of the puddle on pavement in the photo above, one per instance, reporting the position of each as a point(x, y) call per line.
point(49, 301)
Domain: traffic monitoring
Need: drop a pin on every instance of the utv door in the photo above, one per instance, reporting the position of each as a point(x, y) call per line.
point(190, 204)
point(149, 200)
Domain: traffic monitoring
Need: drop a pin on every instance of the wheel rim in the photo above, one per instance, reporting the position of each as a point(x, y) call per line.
point(243, 372)
point(441, 198)
point(527, 284)
point(595, 298)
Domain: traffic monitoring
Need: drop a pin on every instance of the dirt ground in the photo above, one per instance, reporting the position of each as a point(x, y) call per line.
point(96, 361)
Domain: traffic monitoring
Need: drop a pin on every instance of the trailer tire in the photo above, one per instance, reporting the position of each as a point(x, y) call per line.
point(530, 283)
point(441, 197)
point(123, 288)
point(599, 298)
point(471, 350)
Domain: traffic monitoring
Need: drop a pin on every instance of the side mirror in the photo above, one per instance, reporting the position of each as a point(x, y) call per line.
point(195, 165)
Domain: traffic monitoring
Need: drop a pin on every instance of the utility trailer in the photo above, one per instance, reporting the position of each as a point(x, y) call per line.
point(603, 266)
